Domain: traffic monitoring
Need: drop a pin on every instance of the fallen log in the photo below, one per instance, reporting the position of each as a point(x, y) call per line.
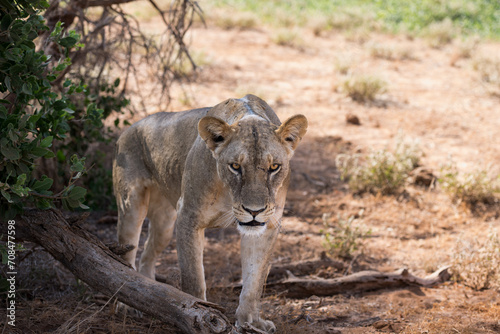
point(362, 281)
point(91, 261)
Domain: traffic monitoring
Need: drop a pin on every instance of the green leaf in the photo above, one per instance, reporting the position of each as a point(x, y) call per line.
point(46, 142)
point(24, 169)
point(6, 21)
point(20, 190)
point(8, 84)
point(43, 204)
point(60, 156)
point(60, 105)
point(39, 151)
point(21, 180)
point(6, 195)
point(49, 155)
point(27, 89)
point(68, 42)
point(43, 185)
point(71, 203)
point(15, 70)
point(77, 193)
point(10, 153)
point(12, 211)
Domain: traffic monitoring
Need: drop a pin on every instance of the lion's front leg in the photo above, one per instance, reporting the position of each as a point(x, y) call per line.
point(190, 242)
point(255, 253)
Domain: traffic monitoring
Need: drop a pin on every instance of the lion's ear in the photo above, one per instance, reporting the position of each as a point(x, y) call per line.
point(292, 130)
point(213, 131)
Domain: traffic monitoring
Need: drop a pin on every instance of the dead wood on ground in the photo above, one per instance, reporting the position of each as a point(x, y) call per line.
point(362, 281)
point(91, 261)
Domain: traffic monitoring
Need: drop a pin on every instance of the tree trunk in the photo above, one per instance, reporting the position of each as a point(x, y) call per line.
point(91, 261)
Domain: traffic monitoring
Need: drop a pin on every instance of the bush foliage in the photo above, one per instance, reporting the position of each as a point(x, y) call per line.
point(35, 115)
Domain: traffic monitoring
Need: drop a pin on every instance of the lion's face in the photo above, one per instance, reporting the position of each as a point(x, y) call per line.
point(253, 162)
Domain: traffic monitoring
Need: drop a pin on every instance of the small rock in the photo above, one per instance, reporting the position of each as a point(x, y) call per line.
point(352, 119)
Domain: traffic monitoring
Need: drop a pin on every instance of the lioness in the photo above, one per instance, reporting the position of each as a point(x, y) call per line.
point(204, 168)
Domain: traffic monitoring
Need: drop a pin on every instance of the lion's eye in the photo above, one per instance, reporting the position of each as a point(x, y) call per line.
point(274, 168)
point(236, 167)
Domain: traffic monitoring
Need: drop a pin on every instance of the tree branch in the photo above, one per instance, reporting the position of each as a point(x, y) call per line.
point(91, 261)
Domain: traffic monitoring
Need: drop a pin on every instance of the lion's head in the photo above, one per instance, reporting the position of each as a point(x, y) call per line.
point(253, 158)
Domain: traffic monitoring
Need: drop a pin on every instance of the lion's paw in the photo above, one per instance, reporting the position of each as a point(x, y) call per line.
point(264, 326)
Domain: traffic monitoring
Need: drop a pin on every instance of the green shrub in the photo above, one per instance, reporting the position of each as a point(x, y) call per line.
point(345, 237)
point(32, 115)
point(381, 171)
point(471, 188)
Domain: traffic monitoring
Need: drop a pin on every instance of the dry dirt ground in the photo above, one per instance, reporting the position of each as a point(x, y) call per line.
point(435, 98)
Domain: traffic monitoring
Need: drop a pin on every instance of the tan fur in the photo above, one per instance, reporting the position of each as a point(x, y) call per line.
point(207, 168)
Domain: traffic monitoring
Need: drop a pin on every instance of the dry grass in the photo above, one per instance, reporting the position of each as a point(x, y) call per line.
point(230, 20)
point(381, 171)
point(364, 88)
point(290, 38)
point(488, 69)
point(343, 65)
point(391, 53)
point(344, 237)
point(183, 69)
point(439, 34)
point(471, 188)
point(477, 264)
point(468, 47)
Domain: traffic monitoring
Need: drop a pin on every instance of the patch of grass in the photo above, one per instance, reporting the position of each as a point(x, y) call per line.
point(319, 24)
point(477, 264)
point(438, 34)
point(343, 65)
point(350, 18)
point(289, 38)
point(382, 52)
point(182, 67)
point(364, 88)
point(471, 17)
point(390, 53)
point(488, 69)
point(470, 188)
point(467, 47)
point(235, 20)
point(381, 171)
point(345, 237)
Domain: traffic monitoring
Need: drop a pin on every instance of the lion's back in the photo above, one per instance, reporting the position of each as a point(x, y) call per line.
point(156, 148)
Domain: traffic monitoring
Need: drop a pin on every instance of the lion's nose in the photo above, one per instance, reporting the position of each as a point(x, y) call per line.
point(254, 213)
